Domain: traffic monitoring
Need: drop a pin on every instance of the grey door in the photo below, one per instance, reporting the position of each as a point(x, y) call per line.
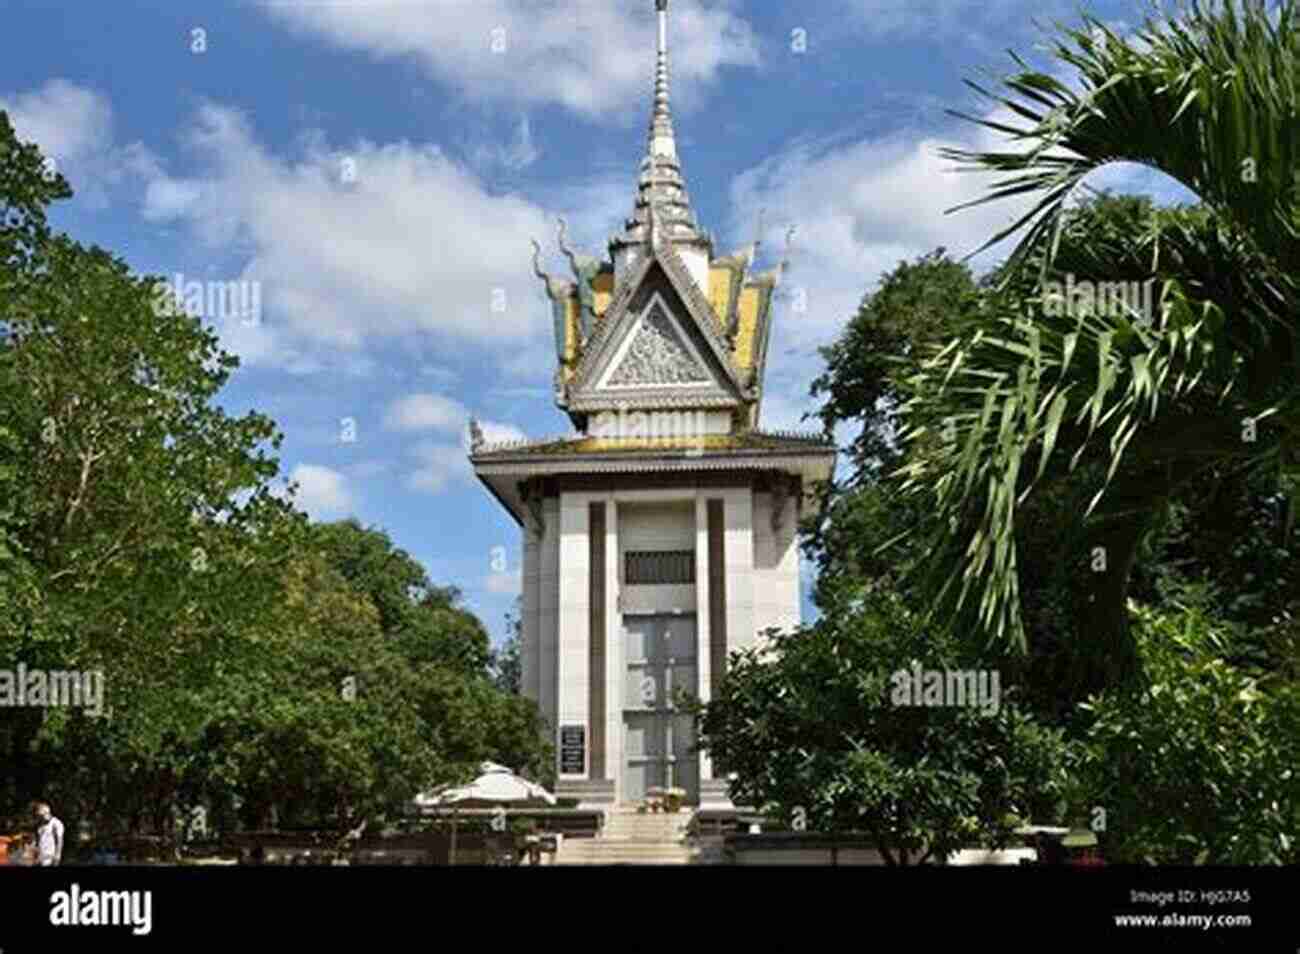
point(659, 654)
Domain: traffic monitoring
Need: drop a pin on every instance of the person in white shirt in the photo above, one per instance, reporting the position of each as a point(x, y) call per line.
point(49, 836)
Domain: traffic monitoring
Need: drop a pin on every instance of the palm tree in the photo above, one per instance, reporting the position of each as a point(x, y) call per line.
point(1206, 386)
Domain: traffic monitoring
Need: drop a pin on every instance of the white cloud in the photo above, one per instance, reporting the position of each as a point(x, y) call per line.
point(436, 412)
point(888, 205)
point(595, 59)
point(64, 119)
point(495, 432)
point(73, 125)
point(442, 464)
point(167, 199)
point(354, 246)
point(519, 153)
point(322, 491)
point(426, 412)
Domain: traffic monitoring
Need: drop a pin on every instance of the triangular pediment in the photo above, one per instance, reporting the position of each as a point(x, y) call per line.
point(657, 353)
point(658, 346)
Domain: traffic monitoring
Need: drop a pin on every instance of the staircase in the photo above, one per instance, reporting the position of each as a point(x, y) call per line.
point(629, 838)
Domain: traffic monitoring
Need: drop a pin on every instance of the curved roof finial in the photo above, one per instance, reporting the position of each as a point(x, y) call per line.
point(556, 289)
point(568, 252)
point(537, 260)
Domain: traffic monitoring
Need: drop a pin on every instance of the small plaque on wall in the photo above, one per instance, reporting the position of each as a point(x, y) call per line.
point(573, 750)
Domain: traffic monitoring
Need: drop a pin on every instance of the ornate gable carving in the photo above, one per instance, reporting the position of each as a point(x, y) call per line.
point(678, 382)
point(658, 354)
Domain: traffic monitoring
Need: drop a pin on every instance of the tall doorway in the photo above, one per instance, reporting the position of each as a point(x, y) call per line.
point(659, 657)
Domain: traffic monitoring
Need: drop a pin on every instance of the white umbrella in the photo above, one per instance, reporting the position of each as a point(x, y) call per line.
point(495, 785)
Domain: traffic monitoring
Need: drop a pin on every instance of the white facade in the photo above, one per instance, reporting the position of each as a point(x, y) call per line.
point(762, 590)
point(670, 463)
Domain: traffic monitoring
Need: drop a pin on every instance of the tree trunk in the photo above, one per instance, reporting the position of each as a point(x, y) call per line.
point(1176, 451)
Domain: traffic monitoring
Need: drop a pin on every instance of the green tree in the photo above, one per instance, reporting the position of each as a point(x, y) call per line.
point(1199, 765)
point(140, 530)
point(425, 619)
point(141, 535)
point(811, 729)
point(507, 667)
point(1208, 381)
point(916, 305)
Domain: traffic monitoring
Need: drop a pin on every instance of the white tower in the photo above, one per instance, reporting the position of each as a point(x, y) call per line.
point(665, 535)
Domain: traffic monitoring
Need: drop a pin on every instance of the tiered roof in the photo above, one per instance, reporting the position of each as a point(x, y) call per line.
point(659, 334)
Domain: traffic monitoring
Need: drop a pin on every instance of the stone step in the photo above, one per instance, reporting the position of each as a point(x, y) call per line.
point(647, 820)
point(625, 859)
point(627, 848)
point(588, 846)
point(644, 825)
point(634, 836)
point(602, 851)
point(662, 838)
point(630, 864)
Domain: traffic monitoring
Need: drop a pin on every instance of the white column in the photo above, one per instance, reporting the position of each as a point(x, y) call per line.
point(548, 603)
point(739, 545)
point(703, 658)
point(575, 614)
point(614, 646)
point(776, 562)
point(785, 567)
point(529, 650)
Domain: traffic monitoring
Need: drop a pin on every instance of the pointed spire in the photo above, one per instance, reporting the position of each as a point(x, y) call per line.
point(660, 183)
point(662, 141)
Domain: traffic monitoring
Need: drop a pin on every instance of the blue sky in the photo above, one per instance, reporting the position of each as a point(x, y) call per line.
point(379, 168)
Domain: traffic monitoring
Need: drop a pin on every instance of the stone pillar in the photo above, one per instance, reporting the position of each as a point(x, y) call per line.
point(548, 612)
point(529, 649)
point(573, 657)
point(714, 585)
point(598, 633)
point(614, 644)
point(703, 661)
point(739, 562)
